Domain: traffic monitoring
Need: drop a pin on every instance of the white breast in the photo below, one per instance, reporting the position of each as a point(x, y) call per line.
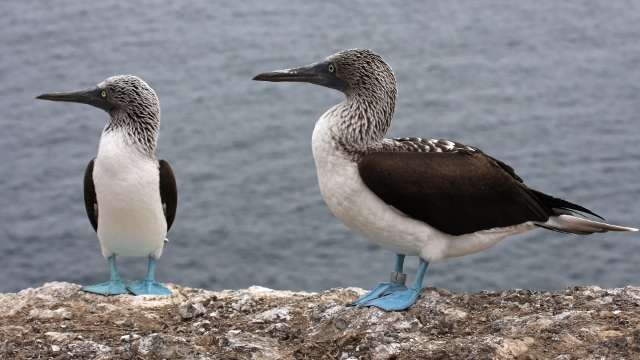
point(361, 210)
point(130, 215)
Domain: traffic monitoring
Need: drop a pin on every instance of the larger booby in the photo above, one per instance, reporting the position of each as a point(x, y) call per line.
point(129, 194)
point(434, 199)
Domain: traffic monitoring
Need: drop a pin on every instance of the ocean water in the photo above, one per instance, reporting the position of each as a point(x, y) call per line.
point(551, 88)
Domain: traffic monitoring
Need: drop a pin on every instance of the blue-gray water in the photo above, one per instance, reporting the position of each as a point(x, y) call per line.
point(552, 88)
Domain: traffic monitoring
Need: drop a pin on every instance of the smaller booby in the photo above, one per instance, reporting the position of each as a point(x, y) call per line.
point(429, 198)
point(129, 194)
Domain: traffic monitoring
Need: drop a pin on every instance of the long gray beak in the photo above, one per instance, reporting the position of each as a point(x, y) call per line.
point(92, 96)
point(321, 73)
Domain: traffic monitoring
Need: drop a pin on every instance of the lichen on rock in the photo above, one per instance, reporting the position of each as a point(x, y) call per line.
point(58, 320)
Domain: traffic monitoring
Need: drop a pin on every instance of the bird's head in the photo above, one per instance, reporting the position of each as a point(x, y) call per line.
point(368, 83)
point(353, 71)
point(122, 96)
point(132, 105)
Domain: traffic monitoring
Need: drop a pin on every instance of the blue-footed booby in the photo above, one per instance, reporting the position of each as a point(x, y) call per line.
point(434, 199)
point(129, 194)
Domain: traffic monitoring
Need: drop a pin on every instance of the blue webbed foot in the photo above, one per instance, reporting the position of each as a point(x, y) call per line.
point(382, 289)
point(397, 297)
point(395, 302)
point(147, 287)
point(112, 287)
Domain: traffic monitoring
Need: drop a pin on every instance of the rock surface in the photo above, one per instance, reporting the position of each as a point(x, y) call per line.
point(58, 321)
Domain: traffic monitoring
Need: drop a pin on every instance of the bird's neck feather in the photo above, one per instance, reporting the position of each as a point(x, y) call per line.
point(362, 121)
point(142, 134)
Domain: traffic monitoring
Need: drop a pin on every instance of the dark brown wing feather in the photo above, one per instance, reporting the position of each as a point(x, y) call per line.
point(457, 192)
point(168, 191)
point(559, 206)
point(90, 200)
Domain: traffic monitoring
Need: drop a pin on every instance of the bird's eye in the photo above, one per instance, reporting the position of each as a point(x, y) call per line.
point(103, 94)
point(331, 68)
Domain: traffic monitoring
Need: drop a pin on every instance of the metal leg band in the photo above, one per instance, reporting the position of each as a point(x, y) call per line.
point(398, 277)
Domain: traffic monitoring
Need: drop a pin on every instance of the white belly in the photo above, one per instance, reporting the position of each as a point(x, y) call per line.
point(361, 210)
point(130, 215)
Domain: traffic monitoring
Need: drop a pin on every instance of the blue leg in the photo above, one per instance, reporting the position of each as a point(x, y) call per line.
point(148, 286)
point(114, 286)
point(402, 299)
point(385, 288)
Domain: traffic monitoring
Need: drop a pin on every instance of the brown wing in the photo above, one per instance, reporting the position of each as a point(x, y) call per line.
point(90, 200)
point(456, 192)
point(168, 191)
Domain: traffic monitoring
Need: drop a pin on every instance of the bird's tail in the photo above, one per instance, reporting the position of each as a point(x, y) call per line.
point(575, 225)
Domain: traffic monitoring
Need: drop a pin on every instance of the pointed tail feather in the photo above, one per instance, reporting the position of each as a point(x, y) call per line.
point(575, 225)
point(561, 206)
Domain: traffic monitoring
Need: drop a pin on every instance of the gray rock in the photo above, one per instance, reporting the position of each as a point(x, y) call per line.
point(60, 321)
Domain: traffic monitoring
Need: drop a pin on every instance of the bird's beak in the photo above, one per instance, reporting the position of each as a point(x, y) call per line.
point(317, 73)
point(92, 96)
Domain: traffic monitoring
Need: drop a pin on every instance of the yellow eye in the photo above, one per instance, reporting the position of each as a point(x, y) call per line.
point(104, 93)
point(331, 68)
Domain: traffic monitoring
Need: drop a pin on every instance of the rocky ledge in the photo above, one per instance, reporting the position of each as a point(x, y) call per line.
point(58, 321)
